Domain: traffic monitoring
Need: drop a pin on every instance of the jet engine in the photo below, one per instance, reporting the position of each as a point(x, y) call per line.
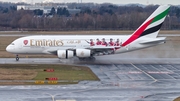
point(65, 54)
point(83, 53)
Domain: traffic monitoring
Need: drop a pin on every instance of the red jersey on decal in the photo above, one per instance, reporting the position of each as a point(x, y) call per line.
point(117, 44)
point(98, 43)
point(104, 43)
point(111, 43)
point(92, 43)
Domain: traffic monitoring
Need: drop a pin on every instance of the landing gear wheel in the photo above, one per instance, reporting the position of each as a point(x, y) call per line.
point(17, 58)
point(92, 58)
point(82, 59)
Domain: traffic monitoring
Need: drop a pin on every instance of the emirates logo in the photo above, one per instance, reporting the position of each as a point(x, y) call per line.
point(82, 53)
point(25, 42)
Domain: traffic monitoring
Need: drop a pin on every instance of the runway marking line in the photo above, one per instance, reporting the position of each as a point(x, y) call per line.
point(65, 100)
point(161, 72)
point(134, 72)
point(144, 72)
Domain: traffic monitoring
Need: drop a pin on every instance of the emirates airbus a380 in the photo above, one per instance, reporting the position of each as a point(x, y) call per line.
point(85, 47)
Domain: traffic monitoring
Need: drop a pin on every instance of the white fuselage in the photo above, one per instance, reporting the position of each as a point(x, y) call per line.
point(42, 44)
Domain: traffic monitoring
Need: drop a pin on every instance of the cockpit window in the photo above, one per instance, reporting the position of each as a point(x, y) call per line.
point(12, 43)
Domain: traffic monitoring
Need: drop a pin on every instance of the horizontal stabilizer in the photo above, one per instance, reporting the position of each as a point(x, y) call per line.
point(153, 41)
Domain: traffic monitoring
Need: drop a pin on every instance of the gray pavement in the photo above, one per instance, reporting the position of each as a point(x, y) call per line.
point(111, 59)
point(79, 93)
point(120, 80)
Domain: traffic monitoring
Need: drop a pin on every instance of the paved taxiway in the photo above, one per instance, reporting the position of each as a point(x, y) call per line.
point(120, 80)
point(99, 60)
point(87, 93)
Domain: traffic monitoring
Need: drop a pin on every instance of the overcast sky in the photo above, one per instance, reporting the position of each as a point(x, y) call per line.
point(173, 2)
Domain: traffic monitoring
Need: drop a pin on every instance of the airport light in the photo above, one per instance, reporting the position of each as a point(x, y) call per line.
point(52, 96)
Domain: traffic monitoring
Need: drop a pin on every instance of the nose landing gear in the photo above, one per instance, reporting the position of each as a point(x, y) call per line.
point(17, 58)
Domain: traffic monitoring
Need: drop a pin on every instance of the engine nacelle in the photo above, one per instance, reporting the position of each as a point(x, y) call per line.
point(83, 53)
point(65, 54)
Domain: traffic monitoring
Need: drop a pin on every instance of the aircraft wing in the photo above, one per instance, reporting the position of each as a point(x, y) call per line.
point(95, 49)
point(153, 41)
point(50, 51)
point(102, 47)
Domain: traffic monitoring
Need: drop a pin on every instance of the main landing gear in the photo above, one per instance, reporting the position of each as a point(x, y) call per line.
point(17, 58)
point(90, 59)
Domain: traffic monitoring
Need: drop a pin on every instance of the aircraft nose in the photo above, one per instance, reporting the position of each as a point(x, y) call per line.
point(8, 48)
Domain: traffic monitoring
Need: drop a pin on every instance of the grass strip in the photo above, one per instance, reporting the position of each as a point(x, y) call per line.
point(68, 74)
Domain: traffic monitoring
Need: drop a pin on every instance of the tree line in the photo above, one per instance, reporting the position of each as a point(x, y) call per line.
point(100, 17)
